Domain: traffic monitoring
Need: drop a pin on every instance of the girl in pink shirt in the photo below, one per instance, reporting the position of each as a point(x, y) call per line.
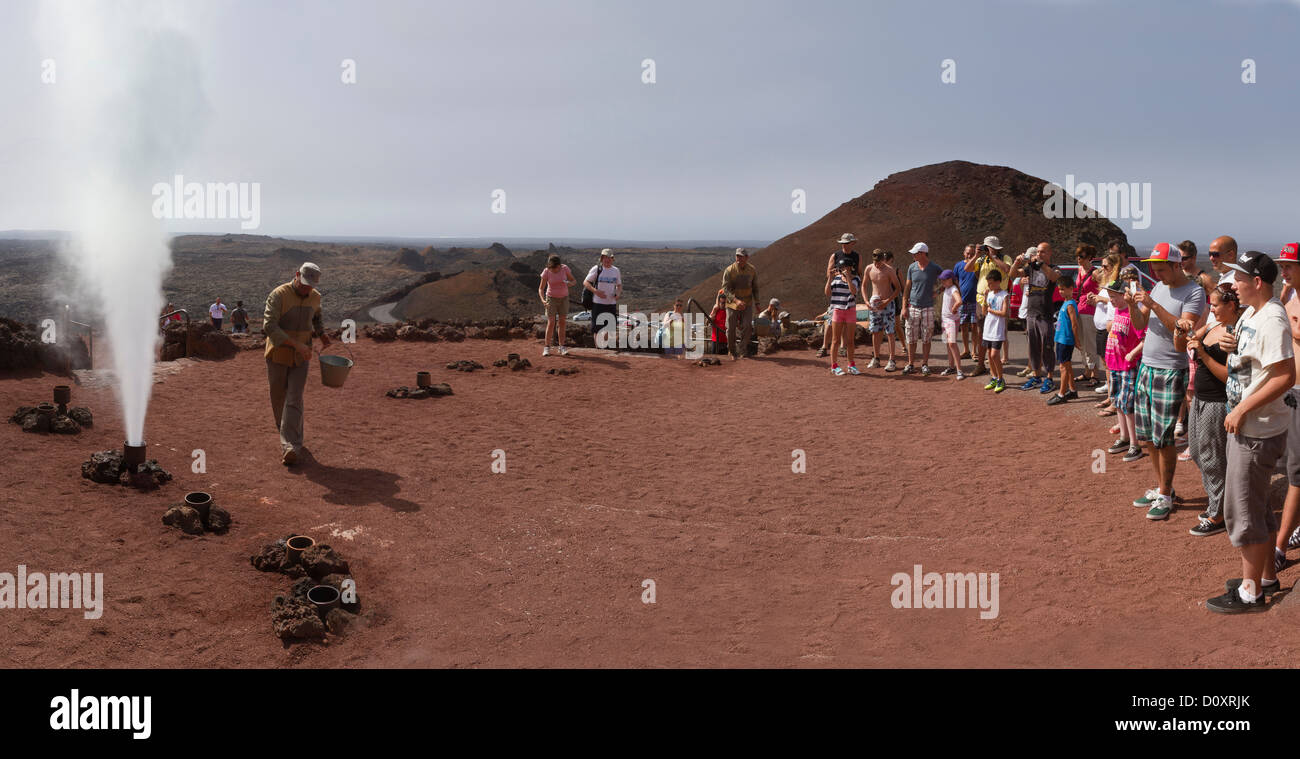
point(554, 292)
point(1123, 354)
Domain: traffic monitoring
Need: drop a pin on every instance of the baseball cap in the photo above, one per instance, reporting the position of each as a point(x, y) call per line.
point(993, 242)
point(1162, 253)
point(742, 252)
point(309, 273)
point(1256, 264)
point(607, 252)
point(1290, 252)
point(947, 274)
point(920, 247)
point(774, 302)
point(847, 237)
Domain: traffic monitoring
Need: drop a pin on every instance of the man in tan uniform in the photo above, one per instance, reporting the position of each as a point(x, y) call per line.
point(292, 317)
point(740, 283)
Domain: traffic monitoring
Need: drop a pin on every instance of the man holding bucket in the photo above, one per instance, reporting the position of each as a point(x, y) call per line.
point(292, 317)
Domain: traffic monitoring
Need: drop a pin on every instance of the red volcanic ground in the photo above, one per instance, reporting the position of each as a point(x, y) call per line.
point(635, 468)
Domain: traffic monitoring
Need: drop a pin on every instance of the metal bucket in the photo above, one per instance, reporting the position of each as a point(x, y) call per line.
point(334, 370)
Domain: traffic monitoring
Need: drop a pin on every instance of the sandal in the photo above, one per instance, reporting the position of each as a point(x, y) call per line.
point(1106, 412)
point(1102, 404)
point(822, 353)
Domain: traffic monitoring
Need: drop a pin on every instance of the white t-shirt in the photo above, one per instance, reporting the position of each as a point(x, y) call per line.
point(950, 295)
point(607, 284)
point(1263, 339)
point(1102, 317)
point(995, 327)
point(1024, 298)
point(217, 310)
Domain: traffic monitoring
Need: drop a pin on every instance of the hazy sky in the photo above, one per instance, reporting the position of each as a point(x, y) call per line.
point(754, 99)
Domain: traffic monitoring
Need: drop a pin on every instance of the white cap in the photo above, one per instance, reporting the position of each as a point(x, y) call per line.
point(1031, 250)
point(920, 247)
point(742, 252)
point(993, 242)
point(607, 252)
point(309, 273)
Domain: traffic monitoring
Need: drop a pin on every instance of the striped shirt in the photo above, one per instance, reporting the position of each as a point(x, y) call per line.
point(841, 296)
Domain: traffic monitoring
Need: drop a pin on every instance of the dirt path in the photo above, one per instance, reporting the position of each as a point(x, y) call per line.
point(628, 471)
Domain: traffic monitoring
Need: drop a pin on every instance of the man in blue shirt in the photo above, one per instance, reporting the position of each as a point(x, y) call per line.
point(967, 283)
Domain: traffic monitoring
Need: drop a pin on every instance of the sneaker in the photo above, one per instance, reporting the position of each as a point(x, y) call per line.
point(1279, 560)
point(960, 376)
point(838, 371)
point(1119, 446)
point(1056, 400)
point(289, 458)
point(1031, 383)
point(1102, 390)
point(992, 384)
point(925, 370)
point(854, 370)
point(1002, 385)
point(564, 351)
point(1179, 430)
point(947, 372)
point(873, 363)
point(546, 351)
point(1134, 454)
point(891, 366)
point(1070, 396)
point(909, 369)
point(1269, 589)
point(965, 354)
point(1160, 508)
point(1186, 455)
point(1205, 527)
point(1048, 386)
point(1149, 498)
point(1294, 540)
point(1231, 603)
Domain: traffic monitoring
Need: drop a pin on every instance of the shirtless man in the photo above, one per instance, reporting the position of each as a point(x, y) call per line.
point(884, 287)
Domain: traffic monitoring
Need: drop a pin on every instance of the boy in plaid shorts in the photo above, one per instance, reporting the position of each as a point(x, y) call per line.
point(1173, 305)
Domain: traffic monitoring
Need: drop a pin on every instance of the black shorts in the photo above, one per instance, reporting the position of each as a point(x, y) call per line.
point(993, 345)
point(1101, 344)
point(1063, 352)
point(216, 323)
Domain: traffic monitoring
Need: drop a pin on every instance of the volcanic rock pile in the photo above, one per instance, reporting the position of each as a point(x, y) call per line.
point(432, 391)
point(513, 362)
point(196, 340)
point(464, 366)
point(21, 348)
point(107, 467)
point(50, 420)
point(188, 519)
point(708, 361)
point(293, 617)
point(565, 371)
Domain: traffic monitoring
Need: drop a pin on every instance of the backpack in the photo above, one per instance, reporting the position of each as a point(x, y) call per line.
point(588, 296)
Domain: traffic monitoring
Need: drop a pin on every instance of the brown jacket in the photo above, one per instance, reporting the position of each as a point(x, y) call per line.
point(741, 286)
point(289, 316)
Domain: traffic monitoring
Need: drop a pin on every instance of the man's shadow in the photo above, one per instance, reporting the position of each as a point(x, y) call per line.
point(353, 487)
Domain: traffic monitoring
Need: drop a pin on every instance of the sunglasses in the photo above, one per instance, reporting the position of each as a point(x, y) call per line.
point(1215, 254)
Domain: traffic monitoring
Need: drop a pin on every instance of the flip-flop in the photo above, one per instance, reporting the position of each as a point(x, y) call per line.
point(1106, 412)
point(1103, 404)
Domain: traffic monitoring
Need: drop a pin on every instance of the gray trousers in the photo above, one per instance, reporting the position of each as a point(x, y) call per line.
point(1042, 344)
point(740, 324)
point(287, 383)
point(1207, 441)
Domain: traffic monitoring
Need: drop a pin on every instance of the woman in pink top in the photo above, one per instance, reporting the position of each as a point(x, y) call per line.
point(1123, 354)
point(554, 292)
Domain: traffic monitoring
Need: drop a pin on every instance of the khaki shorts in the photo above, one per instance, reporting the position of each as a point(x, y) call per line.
point(557, 306)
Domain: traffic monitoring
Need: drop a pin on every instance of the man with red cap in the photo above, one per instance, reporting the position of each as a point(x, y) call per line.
point(1172, 306)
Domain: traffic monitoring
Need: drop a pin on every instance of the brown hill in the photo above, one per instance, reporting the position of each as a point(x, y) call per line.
point(479, 295)
point(944, 205)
